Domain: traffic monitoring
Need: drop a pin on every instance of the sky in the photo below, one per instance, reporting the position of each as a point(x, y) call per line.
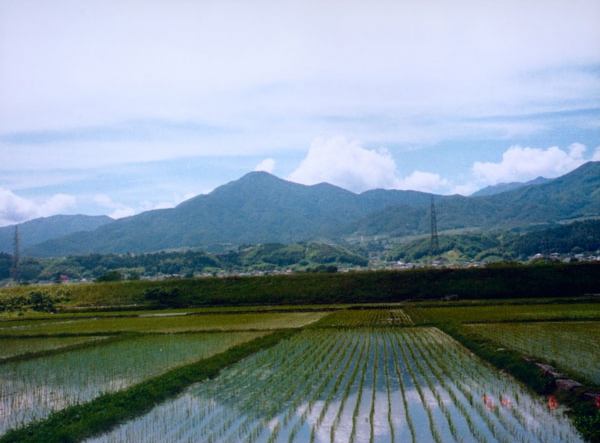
point(120, 106)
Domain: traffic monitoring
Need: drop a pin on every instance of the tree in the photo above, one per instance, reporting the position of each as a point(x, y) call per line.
point(30, 269)
point(5, 265)
point(110, 276)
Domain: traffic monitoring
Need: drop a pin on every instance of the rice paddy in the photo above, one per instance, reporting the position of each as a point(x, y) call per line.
point(352, 318)
point(359, 385)
point(506, 312)
point(173, 323)
point(574, 346)
point(14, 347)
point(352, 375)
point(32, 389)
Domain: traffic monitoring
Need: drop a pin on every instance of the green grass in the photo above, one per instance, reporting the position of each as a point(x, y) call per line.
point(157, 322)
point(499, 282)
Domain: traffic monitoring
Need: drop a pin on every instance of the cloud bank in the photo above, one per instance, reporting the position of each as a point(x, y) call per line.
point(235, 85)
point(524, 164)
point(15, 209)
point(349, 165)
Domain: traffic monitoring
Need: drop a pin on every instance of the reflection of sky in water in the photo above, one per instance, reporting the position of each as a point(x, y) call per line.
point(277, 396)
point(32, 389)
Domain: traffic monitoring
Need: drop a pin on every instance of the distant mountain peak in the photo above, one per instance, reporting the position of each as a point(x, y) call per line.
point(504, 187)
point(262, 208)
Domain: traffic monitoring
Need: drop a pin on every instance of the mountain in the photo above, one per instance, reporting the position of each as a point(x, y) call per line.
point(258, 208)
point(573, 196)
point(261, 208)
point(41, 229)
point(503, 187)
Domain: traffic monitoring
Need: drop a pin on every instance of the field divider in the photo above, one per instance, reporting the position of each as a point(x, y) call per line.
point(78, 422)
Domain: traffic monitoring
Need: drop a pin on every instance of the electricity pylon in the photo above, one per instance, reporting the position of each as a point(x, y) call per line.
point(14, 270)
point(434, 245)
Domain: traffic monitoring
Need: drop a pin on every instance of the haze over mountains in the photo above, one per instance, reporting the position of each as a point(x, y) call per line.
point(261, 208)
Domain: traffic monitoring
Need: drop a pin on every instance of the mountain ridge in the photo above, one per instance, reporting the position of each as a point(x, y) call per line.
point(261, 208)
point(575, 195)
point(45, 228)
point(503, 187)
point(257, 208)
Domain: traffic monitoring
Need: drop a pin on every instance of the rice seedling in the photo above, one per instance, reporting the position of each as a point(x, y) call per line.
point(31, 390)
point(168, 324)
point(15, 347)
point(574, 346)
point(355, 318)
point(329, 385)
point(506, 312)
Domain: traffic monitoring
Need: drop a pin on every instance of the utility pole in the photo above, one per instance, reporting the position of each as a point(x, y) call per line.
point(434, 245)
point(14, 271)
point(546, 247)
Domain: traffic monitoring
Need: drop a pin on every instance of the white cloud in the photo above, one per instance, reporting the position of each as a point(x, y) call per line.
point(97, 86)
point(267, 165)
point(425, 182)
point(346, 164)
point(522, 164)
point(596, 157)
point(119, 210)
point(15, 209)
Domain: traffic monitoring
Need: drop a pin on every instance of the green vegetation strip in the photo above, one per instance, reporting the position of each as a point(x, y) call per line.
point(492, 282)
point(585, 415)
point(82, 421)
point(21, 349)
point(506, 313)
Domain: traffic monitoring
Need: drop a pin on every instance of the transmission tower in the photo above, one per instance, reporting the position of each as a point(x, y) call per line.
point(14, 270)
point(434, 245)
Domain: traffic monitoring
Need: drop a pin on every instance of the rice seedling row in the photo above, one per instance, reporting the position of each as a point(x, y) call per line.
point(14, 347)
point(518, 412)
point(501, 313)
point(574, 346)
point(353, 318)
point(214, 429)
point(361, 385)
point(168, 324)
point(32, 389)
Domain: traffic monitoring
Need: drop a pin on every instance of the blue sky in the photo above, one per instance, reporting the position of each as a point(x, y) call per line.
point(117, 107)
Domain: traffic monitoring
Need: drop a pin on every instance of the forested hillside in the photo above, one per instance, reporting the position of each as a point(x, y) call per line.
point(260, 208)
point(569, 239)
